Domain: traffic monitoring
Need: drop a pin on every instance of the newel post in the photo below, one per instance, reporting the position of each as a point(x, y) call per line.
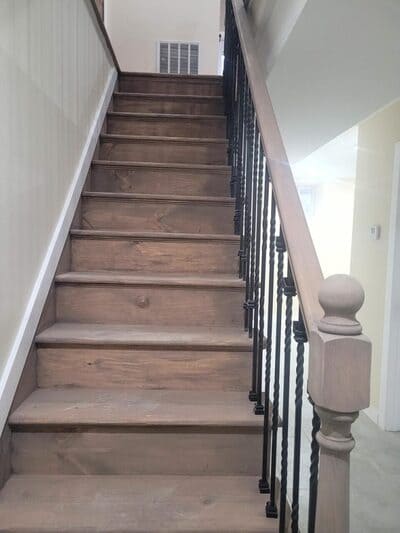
point(339, 384)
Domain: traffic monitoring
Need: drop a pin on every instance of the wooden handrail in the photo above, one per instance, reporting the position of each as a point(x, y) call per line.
point(103, 30)
point(302, 255)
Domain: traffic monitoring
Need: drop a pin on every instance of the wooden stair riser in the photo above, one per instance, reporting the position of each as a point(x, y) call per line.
point(200, 86)
point(163, 151)
point(139, 368)
point(154, 255)
point(157, 450)
point(159, 180)
point(152, 104)
point(149, 304)
point(207, 127)
point(157, 215)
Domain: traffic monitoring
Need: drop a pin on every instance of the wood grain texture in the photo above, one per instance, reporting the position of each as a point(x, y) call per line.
point(167, 125)
point(149, 337)
point(152, 178)
point(122, 504)
point(90, 407)
point(114, 211)
point(150, 451)
point(146, 304)
point(147, 253)
point(163, 149)
point(170, 84)
point(149, 103)
point(130, 368)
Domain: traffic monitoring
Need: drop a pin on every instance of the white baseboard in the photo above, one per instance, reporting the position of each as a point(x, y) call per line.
point(25, 334)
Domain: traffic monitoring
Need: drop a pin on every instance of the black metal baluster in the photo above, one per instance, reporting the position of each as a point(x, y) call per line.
point(248, 218)
point(242, 251)
point(258, 343)
point(239, 166)
point(254, 221)
point(235, 102)
point(289, 291)
point(263, 483)
point(314, 467)
point(250, 281)
point(229, 23)
point(300, 336)
point(271, 507)
point(233, 129)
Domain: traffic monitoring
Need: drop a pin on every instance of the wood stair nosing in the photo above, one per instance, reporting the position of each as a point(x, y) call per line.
point(161, 96)
point(172, 338)
point(164, 280)
point(154, 235)
point(171, 84)
point(223, 170)
point(198, 78)
point(160, 197)
point(166, 116)
point(162, 139)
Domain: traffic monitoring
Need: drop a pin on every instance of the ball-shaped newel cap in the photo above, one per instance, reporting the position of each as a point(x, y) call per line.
point(340, 296)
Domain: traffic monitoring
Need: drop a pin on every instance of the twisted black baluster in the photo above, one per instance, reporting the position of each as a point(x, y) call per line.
point(254, 221)
point(243, 192)
point(239, 166)
point(263, 483)
point(249, 210)
point(232, 136)
point(258, 341)
point(300, 336)
point(289, 291)
point(254, 256)
point(314, 467)
point(271, 508)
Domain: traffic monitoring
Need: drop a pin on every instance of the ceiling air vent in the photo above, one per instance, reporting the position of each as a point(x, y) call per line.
point(178, 58)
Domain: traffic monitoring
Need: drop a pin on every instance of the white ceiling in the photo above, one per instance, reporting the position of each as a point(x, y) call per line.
point(340, 63)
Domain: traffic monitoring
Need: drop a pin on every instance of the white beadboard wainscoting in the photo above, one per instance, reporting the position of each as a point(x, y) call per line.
point(57, 77)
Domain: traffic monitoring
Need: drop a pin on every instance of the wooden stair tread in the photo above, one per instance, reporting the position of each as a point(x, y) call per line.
point(156, 235)
point(166, 337)
point(80, 407)
point(129, 278)
point(158, 139)
point(176, 77)
point(158, 116)
point(141, 504)
point(168, 96)
point(147, 164)
point(159, 197)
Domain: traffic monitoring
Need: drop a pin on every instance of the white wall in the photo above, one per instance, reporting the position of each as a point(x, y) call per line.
point(136, 26)
point(328, 177)
point(54, 70)
point(373, 196)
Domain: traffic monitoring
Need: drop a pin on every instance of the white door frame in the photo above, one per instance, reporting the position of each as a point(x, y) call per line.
point(389, 409)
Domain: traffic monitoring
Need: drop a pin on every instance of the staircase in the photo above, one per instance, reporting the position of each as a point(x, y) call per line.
point(140, 420)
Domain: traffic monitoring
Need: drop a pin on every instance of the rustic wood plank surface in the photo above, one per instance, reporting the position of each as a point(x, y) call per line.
point(143, 504)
